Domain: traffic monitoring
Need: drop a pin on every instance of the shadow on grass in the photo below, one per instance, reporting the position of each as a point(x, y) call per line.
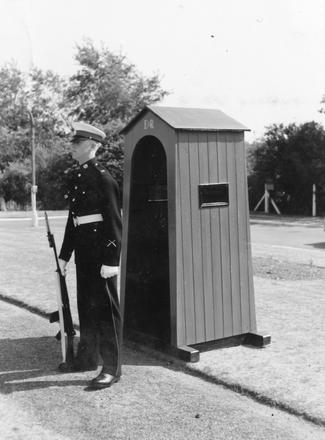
point(320, 245)
point(25, 359)
point(29, 358)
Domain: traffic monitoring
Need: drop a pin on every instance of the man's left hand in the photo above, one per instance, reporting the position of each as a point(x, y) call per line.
point(108, 271)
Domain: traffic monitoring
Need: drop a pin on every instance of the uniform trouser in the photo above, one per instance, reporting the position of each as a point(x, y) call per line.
point(99, 319)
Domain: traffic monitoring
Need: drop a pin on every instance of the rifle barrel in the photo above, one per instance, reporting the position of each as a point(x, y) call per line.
point(51, 240)
point(64, 311)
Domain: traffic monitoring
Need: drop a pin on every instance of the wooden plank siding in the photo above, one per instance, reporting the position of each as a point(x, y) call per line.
point(186, 237)
point(246, 291)
point(252, 313)
point(233, 235)
point(213, 248)
point(170, 139)
point(206, 263)
point(197, 251)
point(125, 217)
point(180, 290)
point(224, 240)
point(216, 241)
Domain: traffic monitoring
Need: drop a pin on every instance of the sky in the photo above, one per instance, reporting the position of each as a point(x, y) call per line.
point(261, 62)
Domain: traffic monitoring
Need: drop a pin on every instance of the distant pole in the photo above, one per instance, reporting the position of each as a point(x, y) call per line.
point(34, 186)
point(314, 201)
point(266, 199)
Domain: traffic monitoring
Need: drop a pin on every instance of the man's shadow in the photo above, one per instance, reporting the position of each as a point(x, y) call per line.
point(28, 358)
point(25, 359)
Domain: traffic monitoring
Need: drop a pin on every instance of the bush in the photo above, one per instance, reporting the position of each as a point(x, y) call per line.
point(15, 184)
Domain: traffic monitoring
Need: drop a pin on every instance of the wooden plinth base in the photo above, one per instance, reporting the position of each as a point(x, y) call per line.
point(253, 339)
point(192, 353)
point(187, 354)
point(257, 340)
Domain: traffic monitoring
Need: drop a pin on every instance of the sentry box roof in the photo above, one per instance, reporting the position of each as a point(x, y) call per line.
point(198, 119)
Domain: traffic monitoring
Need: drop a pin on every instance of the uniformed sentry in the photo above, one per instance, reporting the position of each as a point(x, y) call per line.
point(93, 232)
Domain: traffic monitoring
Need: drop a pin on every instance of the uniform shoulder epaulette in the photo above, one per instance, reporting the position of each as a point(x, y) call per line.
point(100, 168)
point(104, 174)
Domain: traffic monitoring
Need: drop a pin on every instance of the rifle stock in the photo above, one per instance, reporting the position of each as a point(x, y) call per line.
point(63, 314)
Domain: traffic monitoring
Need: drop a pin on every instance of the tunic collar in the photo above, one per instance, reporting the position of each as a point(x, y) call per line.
point(90, 162)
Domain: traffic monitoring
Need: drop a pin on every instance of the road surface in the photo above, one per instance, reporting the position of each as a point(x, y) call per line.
point(291, 241)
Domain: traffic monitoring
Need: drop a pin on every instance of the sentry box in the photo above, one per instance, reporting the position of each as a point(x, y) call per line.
point(186, 272)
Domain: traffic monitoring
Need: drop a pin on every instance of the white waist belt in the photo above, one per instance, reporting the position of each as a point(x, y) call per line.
point(84, 219)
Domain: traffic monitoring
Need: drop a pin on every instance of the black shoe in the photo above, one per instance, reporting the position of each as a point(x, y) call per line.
point(103, 380)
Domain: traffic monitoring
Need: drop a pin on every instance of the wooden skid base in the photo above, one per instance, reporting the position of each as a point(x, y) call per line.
point(187, 354)
point(192, 353)
point(254, 339)
point(257, 340)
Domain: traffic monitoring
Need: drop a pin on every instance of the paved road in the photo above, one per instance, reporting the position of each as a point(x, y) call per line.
point(152, 401)
point(301, 243)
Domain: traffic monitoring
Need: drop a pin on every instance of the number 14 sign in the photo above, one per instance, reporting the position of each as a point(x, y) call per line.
point(148, 124)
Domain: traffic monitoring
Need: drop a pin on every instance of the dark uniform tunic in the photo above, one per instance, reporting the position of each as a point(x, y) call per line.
point(94, 191)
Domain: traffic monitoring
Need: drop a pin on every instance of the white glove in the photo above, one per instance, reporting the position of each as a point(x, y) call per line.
point(63, 266)
point(108, 271)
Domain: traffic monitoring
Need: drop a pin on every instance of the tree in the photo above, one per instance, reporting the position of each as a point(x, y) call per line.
point(107, 90)
point(42, 94)
point(107, 87)
point(37, 91)
point(293, 156)
point(13, 145)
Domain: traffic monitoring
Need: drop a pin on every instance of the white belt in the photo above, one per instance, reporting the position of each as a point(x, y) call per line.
point(84, 219)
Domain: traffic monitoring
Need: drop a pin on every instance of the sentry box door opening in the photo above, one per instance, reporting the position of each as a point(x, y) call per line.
point(147, 296)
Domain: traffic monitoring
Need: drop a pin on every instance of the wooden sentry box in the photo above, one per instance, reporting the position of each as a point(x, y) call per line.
point(186, 271)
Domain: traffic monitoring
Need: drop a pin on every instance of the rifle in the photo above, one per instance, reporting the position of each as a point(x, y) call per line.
point(63, 314)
